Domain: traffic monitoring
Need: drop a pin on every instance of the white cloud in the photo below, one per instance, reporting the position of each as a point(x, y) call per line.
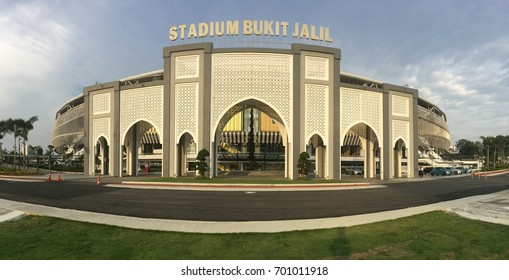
point(470, 85)
point(34, 43)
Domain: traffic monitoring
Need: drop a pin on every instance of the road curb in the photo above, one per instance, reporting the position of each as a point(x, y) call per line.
point(12, 216)
point(244, 187)
point(22, 178)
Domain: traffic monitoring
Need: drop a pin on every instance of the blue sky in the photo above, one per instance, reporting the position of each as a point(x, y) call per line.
point(456, 52)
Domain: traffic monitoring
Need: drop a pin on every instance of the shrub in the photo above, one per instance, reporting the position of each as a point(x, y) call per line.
point(304, 163)
point(202, 164)
point(15, 172)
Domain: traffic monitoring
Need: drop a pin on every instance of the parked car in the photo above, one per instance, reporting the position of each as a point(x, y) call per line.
point(457, 171)
point(427, 170)
point(466, 170)
point(353, 171)
point(357, 172)
point(439, 171)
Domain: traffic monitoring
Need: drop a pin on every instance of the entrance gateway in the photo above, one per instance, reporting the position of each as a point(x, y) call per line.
point(298, 94)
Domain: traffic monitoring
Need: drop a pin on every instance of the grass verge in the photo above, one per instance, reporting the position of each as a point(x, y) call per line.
point(435, 235)
point(237, 180)
point(16, 172)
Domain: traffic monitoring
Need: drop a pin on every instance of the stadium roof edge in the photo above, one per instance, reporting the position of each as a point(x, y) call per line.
point(147, 74)
point(360, 77)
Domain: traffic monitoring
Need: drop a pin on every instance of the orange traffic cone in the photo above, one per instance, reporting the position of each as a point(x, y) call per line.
point(58, 177)
point(49, 177)
point(99, 179)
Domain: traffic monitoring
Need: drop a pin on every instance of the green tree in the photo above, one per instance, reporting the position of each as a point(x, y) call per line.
point(467, 149)
point(488, 143)
point(500, 142)
point(303, 164)
point(202, 161)
point(3, 131)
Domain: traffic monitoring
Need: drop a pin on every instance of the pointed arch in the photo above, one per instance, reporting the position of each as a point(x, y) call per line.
point(243, 104)
point(186, 147)
point(131, 147)
point(317, 150)
point(368, 142)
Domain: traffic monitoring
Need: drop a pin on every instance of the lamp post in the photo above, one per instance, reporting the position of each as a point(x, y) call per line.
point(14, 148)
point(19, 153)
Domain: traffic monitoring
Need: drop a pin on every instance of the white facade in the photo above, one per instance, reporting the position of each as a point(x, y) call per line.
point(203, 88)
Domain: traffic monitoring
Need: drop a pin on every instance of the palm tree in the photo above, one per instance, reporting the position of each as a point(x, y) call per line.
point(14, 126)
point(3, 131)
point(488, 142)
point(25, 128)
point(501, 142)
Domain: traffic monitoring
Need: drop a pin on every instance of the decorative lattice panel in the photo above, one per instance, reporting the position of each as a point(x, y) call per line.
point(400, 106)
point(361, 106)
point(316, 68)
point(316, 110)
point(187, 66)
point(101, 103)
point(186, 109)
point(101, 127)
point(141, 104)
point(242, 76)
point(400, 130)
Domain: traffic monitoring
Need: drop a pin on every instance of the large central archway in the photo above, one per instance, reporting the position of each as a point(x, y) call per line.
point(251, 136)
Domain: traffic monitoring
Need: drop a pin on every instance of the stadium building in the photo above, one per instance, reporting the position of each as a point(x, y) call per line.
point(282, 101)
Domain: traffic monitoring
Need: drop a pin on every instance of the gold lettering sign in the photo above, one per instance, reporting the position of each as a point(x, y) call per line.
point(249, 27)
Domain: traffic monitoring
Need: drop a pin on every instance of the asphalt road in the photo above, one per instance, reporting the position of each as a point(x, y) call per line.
point(246, 206)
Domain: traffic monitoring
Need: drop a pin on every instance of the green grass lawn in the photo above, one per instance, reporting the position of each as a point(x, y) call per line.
point(435, 235)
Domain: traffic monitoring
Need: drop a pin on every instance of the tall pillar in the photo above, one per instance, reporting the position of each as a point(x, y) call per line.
point(397, 163)
point(306, 81)
point(168, 117)
point(213, 159)
point(297, 131)
point(183, 151)
point(386, 152)
point(175, 77)
point(368, 156)
point(133, 152)
point(115, 150)
point(320, 151)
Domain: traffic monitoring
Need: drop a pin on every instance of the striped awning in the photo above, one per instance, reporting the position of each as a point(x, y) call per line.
point(241, 137)
point(150, 138)
point(351, 140)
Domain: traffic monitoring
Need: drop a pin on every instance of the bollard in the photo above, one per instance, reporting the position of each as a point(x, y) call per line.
point(58, 177)
point(99, 179)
